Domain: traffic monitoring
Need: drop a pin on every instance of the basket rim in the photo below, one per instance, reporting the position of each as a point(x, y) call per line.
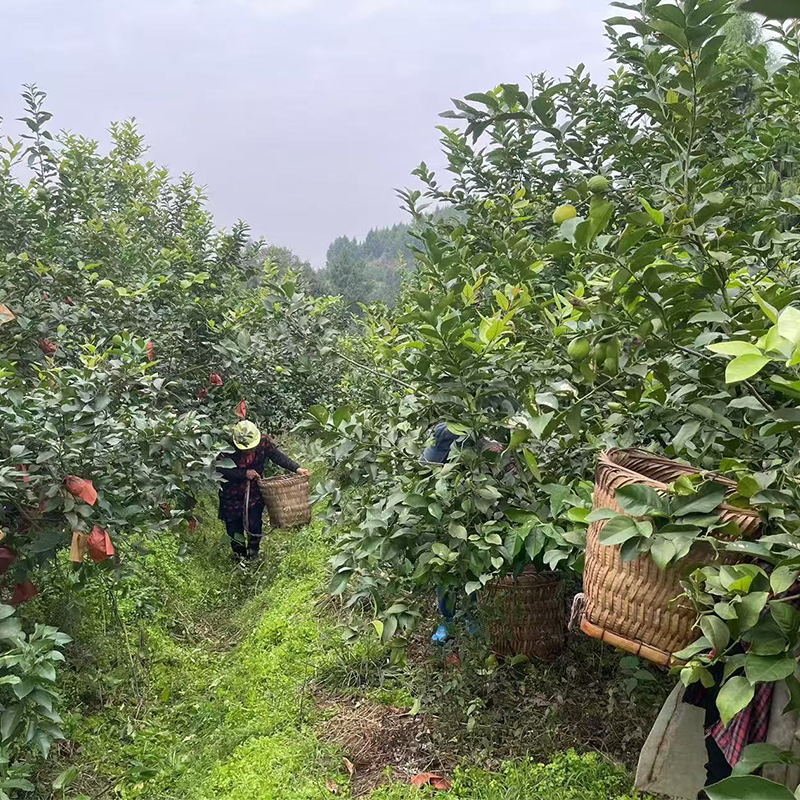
point(606, 458)
point(284, 479)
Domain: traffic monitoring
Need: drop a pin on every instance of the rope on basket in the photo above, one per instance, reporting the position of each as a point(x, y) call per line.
point(246, 515)
point(578, 604)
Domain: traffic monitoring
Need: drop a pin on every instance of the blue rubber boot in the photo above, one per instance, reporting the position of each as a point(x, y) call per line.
point(441, 635)
point(446, 603)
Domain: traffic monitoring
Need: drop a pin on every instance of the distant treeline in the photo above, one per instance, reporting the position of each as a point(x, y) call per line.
point(360, 271)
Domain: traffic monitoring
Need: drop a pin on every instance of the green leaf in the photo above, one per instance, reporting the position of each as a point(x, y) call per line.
point(457, 531)
point(320, 413)
point(441, 550)
point(755, 756)
point(750, 608)
point(639, 500)
point(685, 434)
point(768, 669)
point(709, 496)
point(716, 631)
point(618, 530)
point(734, 696)
point(744, 367)
point(535, 543)
point(787, 618)
point(10, 720)
point(773, 9)
point(657, 216)
point(573, 419)
point(518, 438)
point(789, 324)
point(770, 311)
point(600, 514)
point(782, 579)
point(662, 552)
point(533, 464)
point(734, 348)
point(748, 787)
point(700, 646)
point(491, 328)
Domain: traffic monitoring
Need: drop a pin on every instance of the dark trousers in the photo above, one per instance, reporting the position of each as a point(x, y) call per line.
point(235, 529)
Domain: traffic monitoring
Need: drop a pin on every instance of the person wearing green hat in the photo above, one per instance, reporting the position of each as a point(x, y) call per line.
point(240, 502)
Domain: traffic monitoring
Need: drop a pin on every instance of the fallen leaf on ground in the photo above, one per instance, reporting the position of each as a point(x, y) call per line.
point(349, 766)
point(331, 786)
point(431, 779)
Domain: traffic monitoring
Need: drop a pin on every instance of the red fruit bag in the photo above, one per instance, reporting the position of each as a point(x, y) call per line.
point(99, 544)
point(83, 490)
point(24, 469)
point(149, 349)
point(192, 525)
point(23, 592)
point(7, 558)
point(47, 347)
point(69, 301)
point(215, 379)
point(202, 394)
point(241, 410)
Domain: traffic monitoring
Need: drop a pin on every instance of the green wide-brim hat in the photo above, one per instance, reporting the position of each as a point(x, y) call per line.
point(246, 435)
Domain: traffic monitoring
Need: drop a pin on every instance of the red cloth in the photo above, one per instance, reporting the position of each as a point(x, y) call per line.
point(749, 726)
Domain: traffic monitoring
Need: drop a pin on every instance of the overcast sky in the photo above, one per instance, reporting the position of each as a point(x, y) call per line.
point(299, 116)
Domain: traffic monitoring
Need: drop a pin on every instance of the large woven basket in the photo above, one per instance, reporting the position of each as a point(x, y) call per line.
point(286, 499)
point(527, 615)
point(628, 603)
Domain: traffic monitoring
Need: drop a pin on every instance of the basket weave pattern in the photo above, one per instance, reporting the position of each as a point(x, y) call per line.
point(528, 615)
point(286, 499)
point(627, 603)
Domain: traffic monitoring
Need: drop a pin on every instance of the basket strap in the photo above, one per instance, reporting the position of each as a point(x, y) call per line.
point(246, 514)
point(576, 614)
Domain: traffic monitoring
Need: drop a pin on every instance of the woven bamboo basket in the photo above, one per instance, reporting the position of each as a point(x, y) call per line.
point(527, 615)
point(286, 499)
point(628, 603)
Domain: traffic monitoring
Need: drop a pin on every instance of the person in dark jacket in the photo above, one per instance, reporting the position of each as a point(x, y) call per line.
point(437, 453)
point(238, 508)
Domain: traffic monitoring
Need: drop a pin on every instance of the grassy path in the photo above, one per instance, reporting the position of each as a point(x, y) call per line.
point(220, 704)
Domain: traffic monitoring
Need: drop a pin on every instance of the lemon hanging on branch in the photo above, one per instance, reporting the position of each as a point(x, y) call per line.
point(564, 213)
point(599, 184)
point(578, 349)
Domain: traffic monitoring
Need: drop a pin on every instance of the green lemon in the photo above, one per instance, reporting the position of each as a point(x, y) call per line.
point(278, 369)
point(599, 353)
point(599, 184)
point(578, 349)
point(116, 339)
point(563, 213)
point(611, 365)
